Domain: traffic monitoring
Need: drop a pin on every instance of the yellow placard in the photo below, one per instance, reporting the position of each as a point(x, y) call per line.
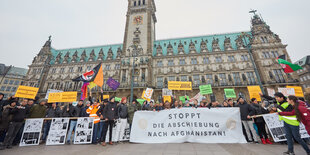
point(148, 99)
point(298, 91)
point(167, 98)
point(26, 92)
point(106, 96)
point(178, 85)
point(254, 92)
point(62, 97)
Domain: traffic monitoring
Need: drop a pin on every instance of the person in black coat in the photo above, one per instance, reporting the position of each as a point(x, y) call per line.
point(246, 112)
point(19, 114)
point(52, 111)
point(109, 115)
point(259, 121)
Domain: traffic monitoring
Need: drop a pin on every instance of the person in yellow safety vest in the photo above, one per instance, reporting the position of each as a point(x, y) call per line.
point(92, 111)
point(292, 129)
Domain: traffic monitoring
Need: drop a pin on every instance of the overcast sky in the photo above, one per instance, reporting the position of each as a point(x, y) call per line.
point(26, 24)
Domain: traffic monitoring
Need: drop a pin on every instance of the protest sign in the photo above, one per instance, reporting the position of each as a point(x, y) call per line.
point(51, 91)
point(62, 97)
point(84, 130)
point(298, 91)
point(205, 89)
point(26, 92)
point(178, 85)
point(167, 98)
point(112, 83)
point(32, 132)
point(254, 92)
point(287, 91)
point(166, 92)
point(276, 128)
point(58, 131)
point(148, 93)
point(230, 93)
point(187, 125)
point(271, 92)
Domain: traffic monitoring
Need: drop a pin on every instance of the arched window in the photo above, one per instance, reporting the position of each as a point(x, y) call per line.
point(143, 2)
point(139, 2)
point(134, 3)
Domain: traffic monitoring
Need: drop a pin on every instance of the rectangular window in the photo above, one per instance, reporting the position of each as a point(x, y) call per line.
point(159, 82)
point(196, 80)
point(222, 79)
point(251, 78)
point(80, 69)
point(39, 70)
point(70, 69)
point(159, 63)
point(34, 71)
point(218, 59)
point(6, 81)
point(16, 82)
point(62, 70)
point(13, 89)
point(237, 78)
point(278, 75)
point(2, 88)
point(266, 55)
point(170, 63)
point(11, 82)
point(231, 58)
point(194, 61)
point(182, 61)
point(244, 58)
point(184, 78)
point(107, 67)
point(171, 78)
point(206, 60)
point(8, 88)
point(53, 70)
point(209, 79)
point(117, 66)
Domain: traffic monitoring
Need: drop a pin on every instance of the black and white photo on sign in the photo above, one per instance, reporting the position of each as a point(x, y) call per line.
point(58, 131)
point(124, 137)
point(32, 132)
point(276, 128)
point(84, 130)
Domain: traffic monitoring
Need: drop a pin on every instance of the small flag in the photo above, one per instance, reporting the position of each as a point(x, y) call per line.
point(84, 91)
point(92, 85)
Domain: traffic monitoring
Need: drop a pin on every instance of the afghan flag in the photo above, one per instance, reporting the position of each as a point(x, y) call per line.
point(287, 66)
point(96, 74)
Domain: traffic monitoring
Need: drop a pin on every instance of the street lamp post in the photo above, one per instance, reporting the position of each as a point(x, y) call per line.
point(136, 48)
point(248, 46)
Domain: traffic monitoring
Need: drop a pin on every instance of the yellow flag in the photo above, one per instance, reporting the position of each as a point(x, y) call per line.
point(91, 85)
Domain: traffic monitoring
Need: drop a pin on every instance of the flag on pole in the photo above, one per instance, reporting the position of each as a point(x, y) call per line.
point(84, 91)
point(287, 66)
point(90, 76)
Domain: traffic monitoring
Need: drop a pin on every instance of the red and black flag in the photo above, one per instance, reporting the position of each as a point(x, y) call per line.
point(89, 76)
point(287, 66)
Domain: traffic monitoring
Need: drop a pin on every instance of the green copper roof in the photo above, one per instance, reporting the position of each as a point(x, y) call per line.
point(87, 50)
point(17, 71)
point(197, 41)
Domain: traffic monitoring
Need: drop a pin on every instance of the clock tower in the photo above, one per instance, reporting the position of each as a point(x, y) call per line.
point(138, 43)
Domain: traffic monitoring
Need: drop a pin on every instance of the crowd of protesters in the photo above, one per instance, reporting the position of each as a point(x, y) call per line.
point(107, 112)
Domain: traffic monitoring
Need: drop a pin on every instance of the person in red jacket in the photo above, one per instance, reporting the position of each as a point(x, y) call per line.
point(301, 112)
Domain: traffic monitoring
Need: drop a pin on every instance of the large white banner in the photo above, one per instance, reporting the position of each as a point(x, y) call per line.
point(32, 132)
point(58, 131)
point(84, 130)
point(199, 125)
point(276, 128)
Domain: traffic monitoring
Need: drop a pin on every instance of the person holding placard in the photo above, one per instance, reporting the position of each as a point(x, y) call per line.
point(38, 110)
point(292, 127)
point(52, 112)
point(122, 114)
point(110, 115)
point(70, 111)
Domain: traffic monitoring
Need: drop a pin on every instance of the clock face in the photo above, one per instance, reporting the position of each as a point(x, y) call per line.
point(138, 20)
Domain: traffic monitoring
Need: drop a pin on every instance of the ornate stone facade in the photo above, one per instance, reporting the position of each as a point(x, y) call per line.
point(222, 60)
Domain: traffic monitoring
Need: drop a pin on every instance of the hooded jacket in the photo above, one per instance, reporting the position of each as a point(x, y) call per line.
point(122, 111)
point(51, 112)
point(259, 110)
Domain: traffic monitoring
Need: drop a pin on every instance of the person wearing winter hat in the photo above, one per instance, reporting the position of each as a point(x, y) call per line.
point(110, 115)
point(38, 110)
point(122, 114)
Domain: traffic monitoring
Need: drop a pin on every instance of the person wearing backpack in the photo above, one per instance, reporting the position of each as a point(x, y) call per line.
point(292, 128)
